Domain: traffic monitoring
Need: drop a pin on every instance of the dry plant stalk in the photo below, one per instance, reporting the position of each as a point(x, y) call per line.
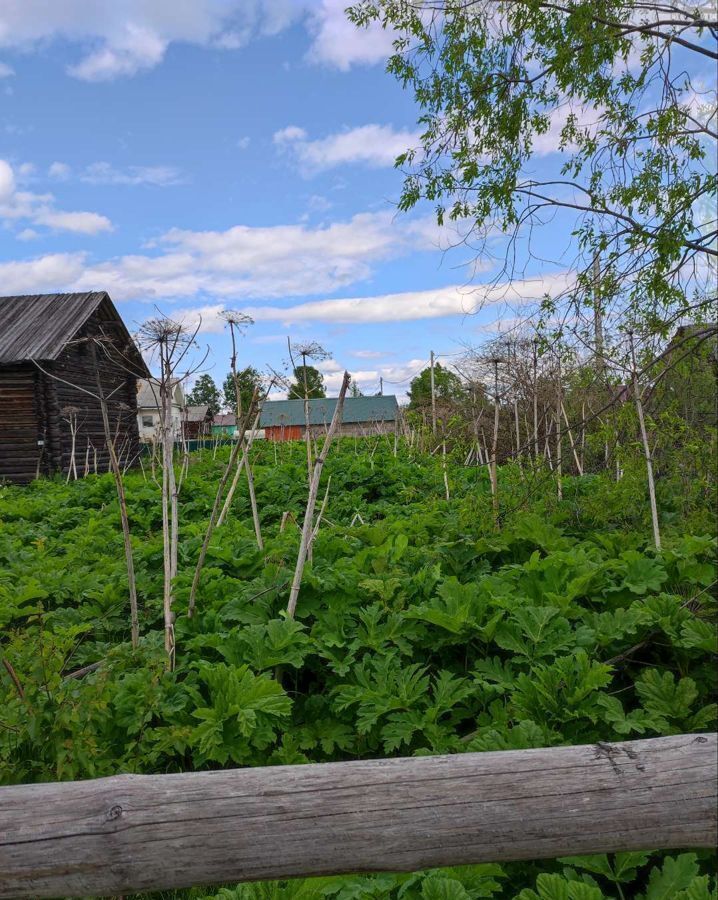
point(246, 446)
point(559, 443)
point(446, 475)
point(494, 446)
point(124, 518)
point(579, 466)
point(311, 350)
point(315, 530)
point(646, 446)
point(239, 321)
point(308, 525)
point(213, 517)
point(173, 341)
point(70, 413)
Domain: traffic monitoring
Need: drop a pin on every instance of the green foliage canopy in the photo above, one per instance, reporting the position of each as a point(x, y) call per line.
point(615, 86)
point(205, 391)
point(314, 383)
point(447, 387)
point(248, 380)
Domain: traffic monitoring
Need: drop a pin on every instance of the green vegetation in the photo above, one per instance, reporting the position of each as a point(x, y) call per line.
point(608, 83)
point(424, 630)
point(248, 380)
point(308, 382)
point(447, 387)
point(205, 392)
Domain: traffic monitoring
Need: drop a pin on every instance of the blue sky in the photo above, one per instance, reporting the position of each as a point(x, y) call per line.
point(206, 154)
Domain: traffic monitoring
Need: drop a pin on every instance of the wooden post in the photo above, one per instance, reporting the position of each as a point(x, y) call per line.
point(135, 833)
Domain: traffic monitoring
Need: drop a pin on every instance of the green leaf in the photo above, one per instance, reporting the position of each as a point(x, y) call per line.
point(660, 693)
point(675, 875)
point(437, 888)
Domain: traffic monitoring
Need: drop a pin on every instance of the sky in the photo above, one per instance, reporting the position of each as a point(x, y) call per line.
point(191, 156)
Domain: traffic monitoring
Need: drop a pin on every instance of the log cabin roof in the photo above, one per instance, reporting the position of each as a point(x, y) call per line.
point(39, 326)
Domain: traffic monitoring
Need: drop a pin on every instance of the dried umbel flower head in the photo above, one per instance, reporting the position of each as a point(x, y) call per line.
point(236, 319)
point(312, 350)
point(160, 330)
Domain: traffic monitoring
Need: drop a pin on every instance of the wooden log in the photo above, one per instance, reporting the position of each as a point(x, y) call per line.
point(144, 832)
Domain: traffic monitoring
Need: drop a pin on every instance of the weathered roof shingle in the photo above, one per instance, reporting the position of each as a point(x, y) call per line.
point(39, 326)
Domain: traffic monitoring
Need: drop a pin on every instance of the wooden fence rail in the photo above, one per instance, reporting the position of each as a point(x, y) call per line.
point(140, 832)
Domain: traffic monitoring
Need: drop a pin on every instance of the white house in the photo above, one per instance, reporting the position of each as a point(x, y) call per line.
point(148, 408)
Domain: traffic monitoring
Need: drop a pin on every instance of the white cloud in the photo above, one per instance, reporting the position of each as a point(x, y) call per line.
point(244, 142)
point(105, 173)
point(413, 305)
point(338, 43)
point(7, 181)
point(318, 204)
point(39, 209)
point(27, 234)
point(78, 222)
point(52, 272)
point(59, 170)
point(127, 37)
point(130, 36)
point(368, 354)
point(244, 262)
point(6, 71)
point(134, 49)
point(370, 145)
point(289, 134)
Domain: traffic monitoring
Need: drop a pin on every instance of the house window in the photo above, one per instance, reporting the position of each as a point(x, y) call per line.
point(148, 421)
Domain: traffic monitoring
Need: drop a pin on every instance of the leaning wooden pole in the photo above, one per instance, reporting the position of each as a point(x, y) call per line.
point(132, 833)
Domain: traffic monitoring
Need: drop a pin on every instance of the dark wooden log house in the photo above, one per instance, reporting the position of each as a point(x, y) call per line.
point(53, 349)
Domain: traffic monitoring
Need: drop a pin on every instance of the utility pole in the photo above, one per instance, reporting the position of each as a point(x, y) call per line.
point(597, 315)
point(433, 397)
point(381, 386)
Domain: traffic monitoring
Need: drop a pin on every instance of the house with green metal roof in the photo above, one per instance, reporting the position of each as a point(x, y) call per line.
point(284, 420)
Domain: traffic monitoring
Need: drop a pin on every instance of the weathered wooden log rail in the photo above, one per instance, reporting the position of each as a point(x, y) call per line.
point(139, 832)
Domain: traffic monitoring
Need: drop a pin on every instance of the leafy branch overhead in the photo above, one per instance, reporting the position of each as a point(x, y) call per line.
point(619, 88)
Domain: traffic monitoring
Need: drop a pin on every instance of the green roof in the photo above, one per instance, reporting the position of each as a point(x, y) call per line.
point(356, 409)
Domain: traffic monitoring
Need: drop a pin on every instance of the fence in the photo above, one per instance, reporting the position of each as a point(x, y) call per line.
point(141, 832)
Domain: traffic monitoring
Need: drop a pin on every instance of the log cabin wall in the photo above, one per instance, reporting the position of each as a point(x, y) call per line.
point(76, 368)
point(38, 401)
point(20, 406)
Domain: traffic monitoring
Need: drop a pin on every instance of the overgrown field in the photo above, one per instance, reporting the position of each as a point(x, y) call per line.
point(424, 630)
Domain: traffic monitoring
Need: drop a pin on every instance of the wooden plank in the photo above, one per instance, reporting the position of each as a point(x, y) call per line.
point(142, 832)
